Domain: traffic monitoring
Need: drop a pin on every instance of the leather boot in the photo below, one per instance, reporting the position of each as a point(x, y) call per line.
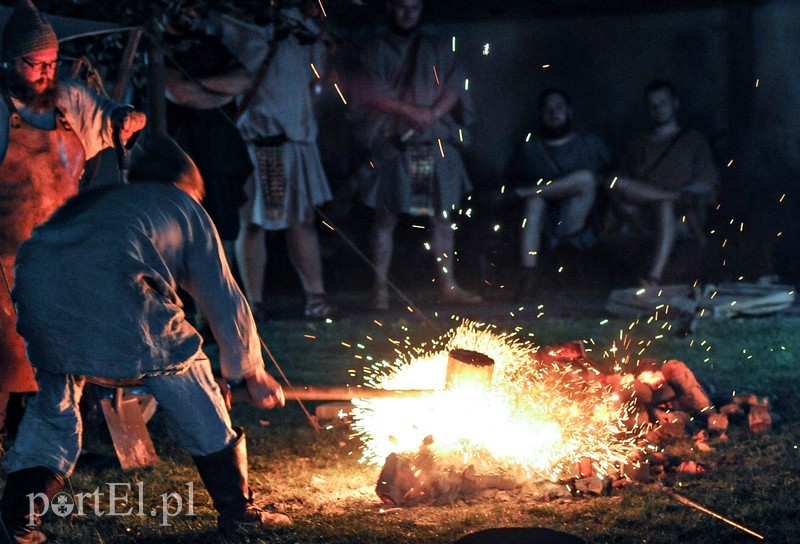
point(20, 523)
point(224, 474)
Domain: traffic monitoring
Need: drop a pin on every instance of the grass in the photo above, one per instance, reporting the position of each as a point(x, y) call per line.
point(315, 477)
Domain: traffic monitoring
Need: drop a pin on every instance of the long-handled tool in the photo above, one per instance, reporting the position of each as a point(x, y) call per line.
point(124, 416)
point(462, 365)
point(332, 392)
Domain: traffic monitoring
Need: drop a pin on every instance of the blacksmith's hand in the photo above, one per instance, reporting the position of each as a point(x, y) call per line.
point(264, 390)
point(131, 124)
point(225, 391)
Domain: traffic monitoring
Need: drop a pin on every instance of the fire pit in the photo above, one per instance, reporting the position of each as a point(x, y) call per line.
point(500, 413)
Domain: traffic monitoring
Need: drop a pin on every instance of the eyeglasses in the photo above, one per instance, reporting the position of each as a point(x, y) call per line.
point(42, 66)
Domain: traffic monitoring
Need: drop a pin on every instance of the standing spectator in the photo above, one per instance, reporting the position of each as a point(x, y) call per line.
point(48, 129)
point(666, 168)
point(276, 120)
point(557, 174)
point(412, 117)
point(115, 313)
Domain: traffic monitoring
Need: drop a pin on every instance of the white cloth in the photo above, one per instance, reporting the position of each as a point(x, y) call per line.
point(282, 104)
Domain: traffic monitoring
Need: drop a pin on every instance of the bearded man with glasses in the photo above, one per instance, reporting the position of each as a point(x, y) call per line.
point(48, 129)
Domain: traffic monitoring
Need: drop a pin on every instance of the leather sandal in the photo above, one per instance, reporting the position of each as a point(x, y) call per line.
point(318, 306)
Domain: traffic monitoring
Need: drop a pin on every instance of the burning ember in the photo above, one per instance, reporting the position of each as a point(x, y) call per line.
point(499, 404)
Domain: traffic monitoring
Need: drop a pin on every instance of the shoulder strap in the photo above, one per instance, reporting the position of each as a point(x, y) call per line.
point(62, 119)
point(404, 77)
point(550, 160)
point(14, 117)
point(262, 72)
point(649, 170)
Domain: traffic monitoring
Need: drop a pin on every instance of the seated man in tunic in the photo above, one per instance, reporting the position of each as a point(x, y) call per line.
point(664, 169)
point(557, 174)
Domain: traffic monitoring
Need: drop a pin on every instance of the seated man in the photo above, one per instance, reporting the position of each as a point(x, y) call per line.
point(96, 294)
point(558, 171)
point(665, 167)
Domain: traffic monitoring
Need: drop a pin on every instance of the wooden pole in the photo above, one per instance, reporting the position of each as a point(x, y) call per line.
point(334, 392)
point(157, 118)
point(338, 392)
point(689, 502)
point(123, 75)
point(134, 36)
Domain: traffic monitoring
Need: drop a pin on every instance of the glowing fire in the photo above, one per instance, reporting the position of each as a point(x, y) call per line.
point(539, 417)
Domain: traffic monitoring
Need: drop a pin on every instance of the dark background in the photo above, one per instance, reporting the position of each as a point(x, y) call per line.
point(735, 65)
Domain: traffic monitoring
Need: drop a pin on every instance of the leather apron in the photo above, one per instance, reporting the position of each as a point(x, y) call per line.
point(40, 172)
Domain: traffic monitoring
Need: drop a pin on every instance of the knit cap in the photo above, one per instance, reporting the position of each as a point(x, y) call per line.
point(26, 32)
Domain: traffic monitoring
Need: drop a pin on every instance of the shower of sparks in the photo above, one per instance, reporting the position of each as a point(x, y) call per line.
point(485, 49)
point(454, 44)
point(441, 149)
point(322, 8)
point(730, 163)
point(540, 417)
point(436, 75)
point(338, 90)
point(466, 84)
point(757, 82)
point(545, 66)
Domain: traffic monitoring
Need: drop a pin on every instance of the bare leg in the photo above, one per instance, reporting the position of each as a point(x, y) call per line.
point(442, 241)
point(664, 202)
point(305, 255)
point(251, 256)
point(577, 205)
point(531, 236)
point(665, 240)
point(251, 251)
point(578, 189)
point(642, 192)
point(382, 245)
point(442, 244)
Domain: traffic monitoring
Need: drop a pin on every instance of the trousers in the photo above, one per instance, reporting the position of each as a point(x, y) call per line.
point(50, 432)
